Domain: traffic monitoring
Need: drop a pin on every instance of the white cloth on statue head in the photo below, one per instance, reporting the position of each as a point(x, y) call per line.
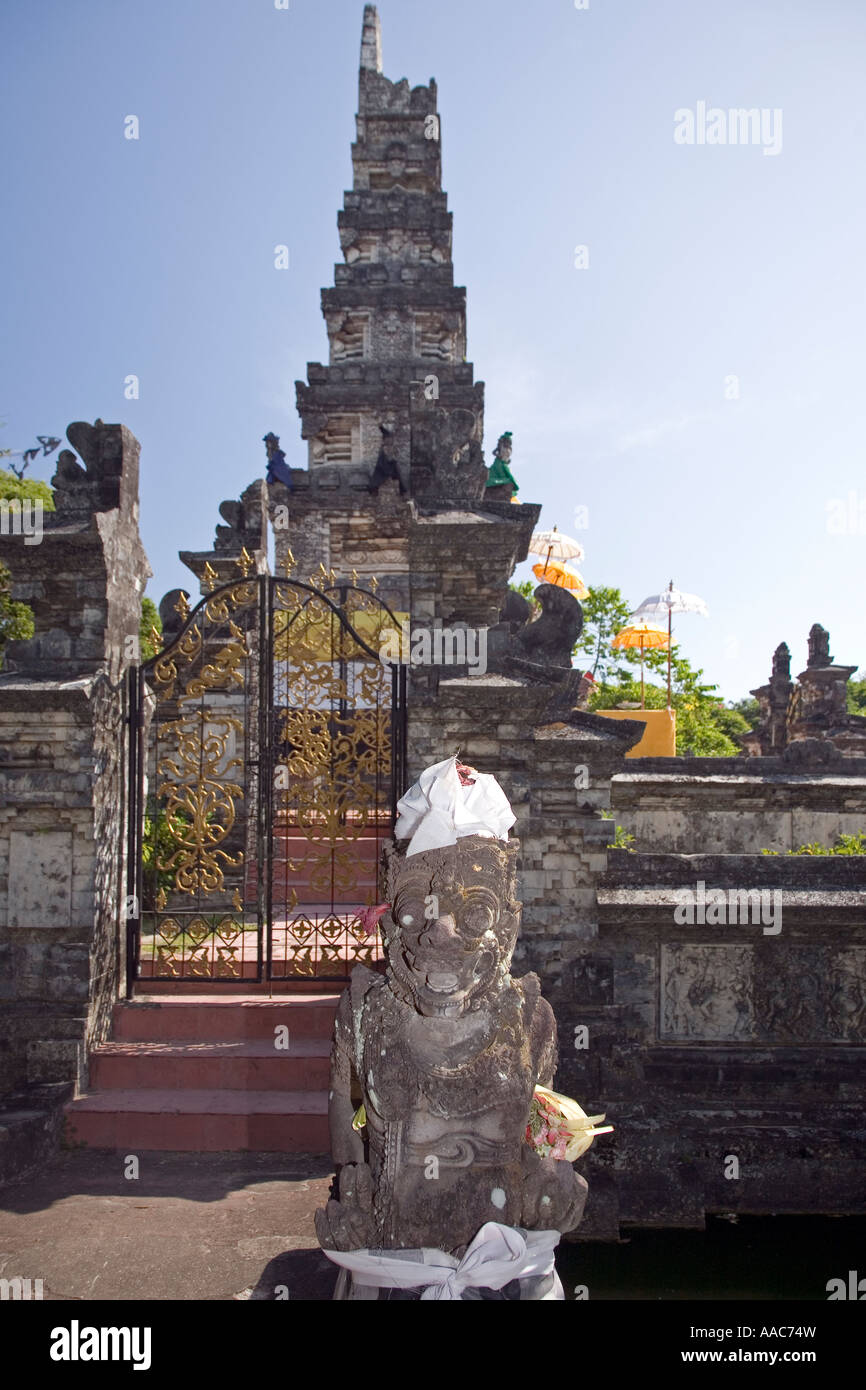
point(438, 809)
point(497, 1255)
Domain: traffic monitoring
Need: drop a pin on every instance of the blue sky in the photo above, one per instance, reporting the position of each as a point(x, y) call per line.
point(706, 263)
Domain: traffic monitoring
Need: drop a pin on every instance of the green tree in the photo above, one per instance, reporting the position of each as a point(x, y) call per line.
point(150, 619)
point(857, 694)
point(706, 727)
point(25, 488)
point(749, 708)
point(16, 619)
point(605, 611)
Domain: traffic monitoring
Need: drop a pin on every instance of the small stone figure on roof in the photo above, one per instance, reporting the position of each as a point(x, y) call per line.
point(278, 469)
point(500, 471)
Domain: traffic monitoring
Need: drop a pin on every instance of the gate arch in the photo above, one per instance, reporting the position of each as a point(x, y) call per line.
point(267, 754)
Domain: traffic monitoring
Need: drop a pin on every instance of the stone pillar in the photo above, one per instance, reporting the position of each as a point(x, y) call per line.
point(771, 734)
point(239, 546)
point(63, 793)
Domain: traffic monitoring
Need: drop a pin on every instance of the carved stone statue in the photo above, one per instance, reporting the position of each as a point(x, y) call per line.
point(551, 638)
point(278, 469)
point(500, 474)
point(444, 1051)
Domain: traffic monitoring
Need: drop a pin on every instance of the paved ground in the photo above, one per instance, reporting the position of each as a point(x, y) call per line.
point(192, 1226)
point(222, 1227)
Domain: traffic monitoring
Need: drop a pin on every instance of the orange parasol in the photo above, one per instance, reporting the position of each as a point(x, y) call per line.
point(642, 635)
point(562, 575)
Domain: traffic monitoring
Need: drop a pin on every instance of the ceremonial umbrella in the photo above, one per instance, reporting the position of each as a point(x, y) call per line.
point(554, 545)
point(665, 605)
point(563, 576)
point(641, 635)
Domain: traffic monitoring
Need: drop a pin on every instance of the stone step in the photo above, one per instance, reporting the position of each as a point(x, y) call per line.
point(211, 1121)
point(233, 1066)
point(192, 1018)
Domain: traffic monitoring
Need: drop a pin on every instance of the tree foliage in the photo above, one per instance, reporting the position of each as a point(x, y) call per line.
point(706, 726)
point(32, 489)
point(16, 619)
point(857, 694)
point(150, 619)
point(605, 611)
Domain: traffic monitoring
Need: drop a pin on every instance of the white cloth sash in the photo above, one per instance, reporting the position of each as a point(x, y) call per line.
point(497, 1255)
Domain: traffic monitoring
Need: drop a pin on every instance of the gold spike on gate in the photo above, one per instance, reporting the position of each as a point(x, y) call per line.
point(210, 577)
point(245, 562)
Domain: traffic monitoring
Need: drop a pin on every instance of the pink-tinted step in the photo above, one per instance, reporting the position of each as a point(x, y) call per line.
point(303, 1066)
point(204, 1121)
point(179, 1019)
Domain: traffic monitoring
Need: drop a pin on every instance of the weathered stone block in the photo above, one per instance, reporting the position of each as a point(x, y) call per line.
point(40, 878)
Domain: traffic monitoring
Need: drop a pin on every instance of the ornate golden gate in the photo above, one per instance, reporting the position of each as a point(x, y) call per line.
point(267, 755)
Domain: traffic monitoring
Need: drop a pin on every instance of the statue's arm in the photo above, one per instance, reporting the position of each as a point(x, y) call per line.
point(346, 1222)
point(347, 1146)
point(545, 1050)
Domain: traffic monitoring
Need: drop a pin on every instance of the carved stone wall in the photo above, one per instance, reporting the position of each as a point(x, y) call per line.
point(62, 785)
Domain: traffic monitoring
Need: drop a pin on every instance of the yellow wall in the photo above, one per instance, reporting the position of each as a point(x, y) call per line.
point(660, 738)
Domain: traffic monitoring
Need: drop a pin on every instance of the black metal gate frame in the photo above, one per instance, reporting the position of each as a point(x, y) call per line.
point(136, 751)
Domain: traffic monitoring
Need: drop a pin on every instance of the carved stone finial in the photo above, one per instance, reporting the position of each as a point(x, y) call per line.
point(819, 647)
point(371, 40)
point(781, 663)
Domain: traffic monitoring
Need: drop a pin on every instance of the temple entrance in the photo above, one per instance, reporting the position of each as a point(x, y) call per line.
point(267, 752)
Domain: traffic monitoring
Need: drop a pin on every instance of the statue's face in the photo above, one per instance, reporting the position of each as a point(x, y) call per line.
point(454, 928)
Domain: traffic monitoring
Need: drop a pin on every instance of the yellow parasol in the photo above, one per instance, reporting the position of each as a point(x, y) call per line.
point(641, 635)
point(563, 576)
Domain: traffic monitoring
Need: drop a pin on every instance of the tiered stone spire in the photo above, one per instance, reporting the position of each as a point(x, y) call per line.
point(396, 322)
point(395, 479)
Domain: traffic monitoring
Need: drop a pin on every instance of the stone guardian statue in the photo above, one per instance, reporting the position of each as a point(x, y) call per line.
point(434, 1069)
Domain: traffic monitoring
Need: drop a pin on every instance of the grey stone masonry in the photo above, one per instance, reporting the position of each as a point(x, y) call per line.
point(63, 792)
point(245, 533)
point(395, 482)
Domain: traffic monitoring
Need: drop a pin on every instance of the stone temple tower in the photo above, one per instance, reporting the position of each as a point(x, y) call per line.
point(395, 480)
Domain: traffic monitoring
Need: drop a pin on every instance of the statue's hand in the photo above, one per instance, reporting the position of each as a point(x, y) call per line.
point(349, 1223)
point(554, 1195)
